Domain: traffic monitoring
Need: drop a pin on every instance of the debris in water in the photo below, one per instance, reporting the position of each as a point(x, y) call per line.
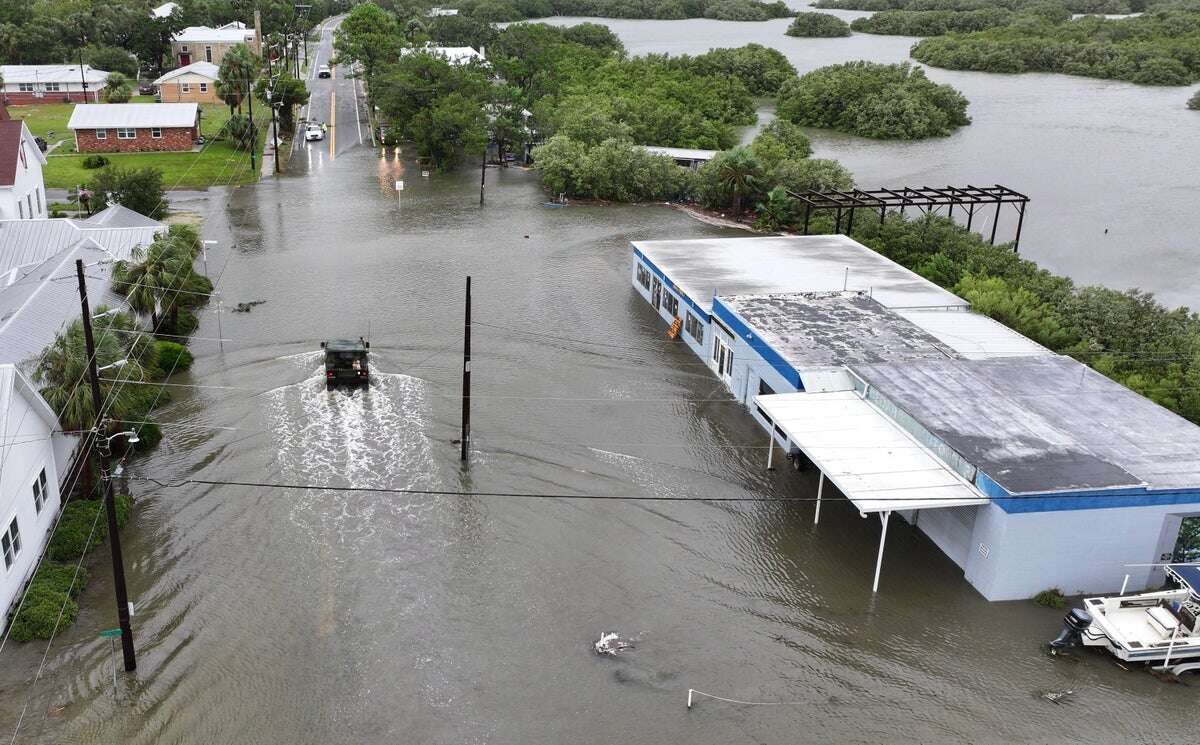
point(610, 643)
point(245, 307)
point(1055, 697)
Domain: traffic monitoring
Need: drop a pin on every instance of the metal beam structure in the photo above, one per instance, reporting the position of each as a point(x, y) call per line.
point(925, 198)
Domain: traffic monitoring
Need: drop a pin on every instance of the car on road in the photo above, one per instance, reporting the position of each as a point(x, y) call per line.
point(324, 72)
point(313, 132)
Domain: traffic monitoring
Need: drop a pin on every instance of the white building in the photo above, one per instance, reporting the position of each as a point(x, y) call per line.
point(453, 55)
point(22, 190)
point(26, 84)
point(33, 459)
point(442, 12)
point(164, 11)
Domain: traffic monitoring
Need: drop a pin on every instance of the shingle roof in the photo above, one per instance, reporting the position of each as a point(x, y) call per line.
point(203, 69)
point(114, 115)
point(14, 74)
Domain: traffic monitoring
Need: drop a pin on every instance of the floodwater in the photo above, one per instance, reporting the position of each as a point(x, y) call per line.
point(1092, 155)
point(315, 615)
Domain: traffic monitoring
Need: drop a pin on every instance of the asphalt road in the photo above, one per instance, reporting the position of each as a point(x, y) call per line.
point(338, 102)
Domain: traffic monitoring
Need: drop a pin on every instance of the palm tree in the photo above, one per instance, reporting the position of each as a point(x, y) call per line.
point(412, 28)
point(117, 88)
point(738, 172)
point(158, 275)
point(235, 78)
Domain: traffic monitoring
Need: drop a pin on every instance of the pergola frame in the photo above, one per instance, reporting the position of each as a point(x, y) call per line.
point(927, 199)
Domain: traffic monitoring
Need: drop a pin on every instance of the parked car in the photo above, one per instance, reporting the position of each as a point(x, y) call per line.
point(41, 144)
point(147, 89)
point(313, 132)
point(324, 72)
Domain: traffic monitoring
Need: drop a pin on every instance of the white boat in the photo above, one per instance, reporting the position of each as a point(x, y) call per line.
point(1161, 626)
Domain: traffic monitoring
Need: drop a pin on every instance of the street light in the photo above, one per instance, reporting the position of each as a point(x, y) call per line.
point(204, 253)
point(107, 314)
point(114, 366)
point(131, 434)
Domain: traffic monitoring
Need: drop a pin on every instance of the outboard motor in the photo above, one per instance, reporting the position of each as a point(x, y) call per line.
point(1074, 624)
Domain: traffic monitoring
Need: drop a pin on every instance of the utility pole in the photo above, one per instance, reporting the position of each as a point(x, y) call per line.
point(253, 131)
point(466, 391)
point(271, 103)
point(482, 174)
point(110, 504)
point(82, 75)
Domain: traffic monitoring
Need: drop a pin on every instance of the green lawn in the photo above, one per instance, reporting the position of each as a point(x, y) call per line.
point(218, 164)
point(44, 118)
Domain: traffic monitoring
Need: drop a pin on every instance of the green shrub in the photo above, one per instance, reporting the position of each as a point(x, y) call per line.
point(61, 578)
point(178, 324)
point(173, 357)
point(1052, 598)
point(1194, 102)
point(40, 614)
point(94, 161)
point(70, 540)
point(149, 435)
point(818, 25)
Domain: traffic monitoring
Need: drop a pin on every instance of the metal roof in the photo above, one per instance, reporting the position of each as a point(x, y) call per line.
point(1043, 424)
point(24, 243)
point(164, 10)
point(14, 74)
point(877, 465)
point(827, 329)
point(776, 264)
point(202, 69)
point(973, 335)
point(114, 115)
point(200, 34)
point(455, 55)
point(681, 153)
point(118, 216)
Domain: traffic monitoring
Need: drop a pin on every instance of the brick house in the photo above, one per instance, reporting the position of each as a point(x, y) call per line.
point(29, 84)
point(135, 127)
point(204, 44)
point(195, 83)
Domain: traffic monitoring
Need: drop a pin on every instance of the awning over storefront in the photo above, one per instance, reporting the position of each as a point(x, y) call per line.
point(876, 464)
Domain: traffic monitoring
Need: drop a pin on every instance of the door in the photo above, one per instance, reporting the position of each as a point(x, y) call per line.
point(185, 59)
point(723, 357)
point(656, 293)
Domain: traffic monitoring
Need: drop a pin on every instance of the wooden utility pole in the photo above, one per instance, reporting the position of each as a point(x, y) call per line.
point(271, 103)
point(482, 175)
point(253, 132)
point(110, 504)
point(466, 391)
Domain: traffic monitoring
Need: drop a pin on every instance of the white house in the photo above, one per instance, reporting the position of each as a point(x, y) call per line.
point(26, 84)
point(165, 10)
point(22, 190)
point(441, 12)
point(453, 55)
point(32, 460)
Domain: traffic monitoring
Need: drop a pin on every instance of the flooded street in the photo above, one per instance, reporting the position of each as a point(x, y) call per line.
point(318, 615)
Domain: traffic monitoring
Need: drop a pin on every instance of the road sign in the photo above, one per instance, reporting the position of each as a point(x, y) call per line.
point(399, 186)
point(110, 634)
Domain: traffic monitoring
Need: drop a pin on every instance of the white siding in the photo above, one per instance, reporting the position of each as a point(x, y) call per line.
point(28, 187)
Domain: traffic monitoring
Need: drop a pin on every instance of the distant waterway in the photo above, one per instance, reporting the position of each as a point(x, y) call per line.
point(1112, 168)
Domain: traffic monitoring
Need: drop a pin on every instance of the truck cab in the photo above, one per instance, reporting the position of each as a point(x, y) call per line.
point(346, 362)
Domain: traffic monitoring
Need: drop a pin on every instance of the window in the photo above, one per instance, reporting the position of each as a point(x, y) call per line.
point(39, 491)
point(672, 304)
point(183, 47)
point(25, 87)
point(101, 134)
point(156, 132)
point(208, 54)
point(37, 193)
point(185, 87)
point(21, 209)
point(694, 328)
point(10, 543)
point(764, 389)
point(643, 276)
point(204, 87)
point(53, 87)
point(125, 133)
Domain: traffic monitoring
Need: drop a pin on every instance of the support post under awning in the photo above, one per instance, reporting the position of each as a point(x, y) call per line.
point(879, 560)
point(770, 451)
point(820, 488)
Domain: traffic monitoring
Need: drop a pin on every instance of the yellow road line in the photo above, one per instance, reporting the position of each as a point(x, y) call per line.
point(332, 124)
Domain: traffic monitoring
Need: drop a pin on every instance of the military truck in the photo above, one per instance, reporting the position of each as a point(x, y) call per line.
point(346, 362)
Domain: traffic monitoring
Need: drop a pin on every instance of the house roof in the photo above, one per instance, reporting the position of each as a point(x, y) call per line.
point(777, 264)
point(113, 115)
point(12, 132)
point(1044, 424)
point(14, 74)
point(223, 35)
point(14, 383)
point(164, 10)
point(681, 153)
point(456, 55)
point(38, 291)
point(203, 69)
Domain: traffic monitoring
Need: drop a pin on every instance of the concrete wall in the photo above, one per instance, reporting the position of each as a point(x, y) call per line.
point(30, 451)
point(1078, 551)
point(173, 139)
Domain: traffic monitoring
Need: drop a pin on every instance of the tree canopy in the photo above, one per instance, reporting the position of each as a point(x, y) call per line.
point(818, 24)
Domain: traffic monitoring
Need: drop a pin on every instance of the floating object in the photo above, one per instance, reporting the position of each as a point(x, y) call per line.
point(1055, 697)
point(692, 691)
point(246, 307)
point(610, 643)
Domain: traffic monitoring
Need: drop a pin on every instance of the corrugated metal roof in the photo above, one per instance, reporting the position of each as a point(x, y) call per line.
point(811, 263)
point(203, 69)
point(114, 115)
point(14, 74)
point(119, 216)
point(164, 10)
point(681, 153)
point(199, 34)
point(1045, 423)
point(877, 465)
point(24, 243)
point(455, 55)
point(973, 335)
